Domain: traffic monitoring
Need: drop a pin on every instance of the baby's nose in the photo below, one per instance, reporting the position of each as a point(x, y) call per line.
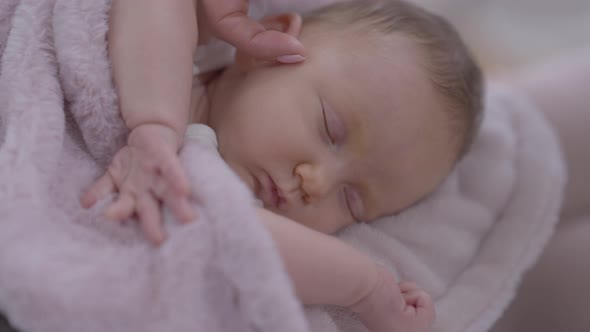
point(316, 181)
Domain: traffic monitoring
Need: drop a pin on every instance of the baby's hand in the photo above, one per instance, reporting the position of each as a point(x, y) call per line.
point(145, 172)
point(419, 309)
point(393, 307)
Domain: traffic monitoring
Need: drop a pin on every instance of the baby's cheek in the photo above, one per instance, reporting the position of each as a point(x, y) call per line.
point(328, 224)
point(332, 227)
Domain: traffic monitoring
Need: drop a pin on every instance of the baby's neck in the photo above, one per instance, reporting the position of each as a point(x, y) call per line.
point(203, 90)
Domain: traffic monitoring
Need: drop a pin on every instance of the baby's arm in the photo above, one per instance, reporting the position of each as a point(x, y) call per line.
point(326, 270)
point(151, 45)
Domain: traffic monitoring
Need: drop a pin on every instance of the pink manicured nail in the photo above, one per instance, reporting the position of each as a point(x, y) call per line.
point(293, 58)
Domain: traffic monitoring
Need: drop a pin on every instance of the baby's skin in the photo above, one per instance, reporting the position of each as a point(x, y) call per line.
point(313, 147)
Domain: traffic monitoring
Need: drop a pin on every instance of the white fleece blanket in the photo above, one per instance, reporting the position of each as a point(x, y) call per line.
point(65, 269)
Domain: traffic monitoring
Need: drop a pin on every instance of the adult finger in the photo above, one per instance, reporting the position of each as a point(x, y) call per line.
point(230, 22)
point(99, 189)
point(150, 219)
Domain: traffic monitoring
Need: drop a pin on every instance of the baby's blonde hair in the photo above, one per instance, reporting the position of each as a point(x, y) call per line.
point(453, 71)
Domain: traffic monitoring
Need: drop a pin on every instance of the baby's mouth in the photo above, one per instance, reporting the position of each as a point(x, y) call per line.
point(278, 196)
point(268, 192)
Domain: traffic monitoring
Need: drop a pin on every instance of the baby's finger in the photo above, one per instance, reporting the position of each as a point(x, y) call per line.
point(413, 297)
point(173, 172)
point(406, 286)
point(179, 204)
point(150, 219)
point(161, 188)
point(122, 208)
point(181, 208)
point(102, 187)
point(420, 303)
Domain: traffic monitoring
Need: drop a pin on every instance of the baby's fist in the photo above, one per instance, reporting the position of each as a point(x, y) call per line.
point(419, 308)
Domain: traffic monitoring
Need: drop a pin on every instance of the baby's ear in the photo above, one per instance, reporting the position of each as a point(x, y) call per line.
point(289, 23)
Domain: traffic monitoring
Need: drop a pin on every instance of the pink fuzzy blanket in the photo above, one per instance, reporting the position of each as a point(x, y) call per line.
point(63, 268)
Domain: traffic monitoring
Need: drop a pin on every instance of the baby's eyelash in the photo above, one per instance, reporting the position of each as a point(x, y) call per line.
point(330, 136)
point(346, 199)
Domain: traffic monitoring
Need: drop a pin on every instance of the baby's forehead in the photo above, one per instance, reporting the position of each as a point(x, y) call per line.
point(364, 49)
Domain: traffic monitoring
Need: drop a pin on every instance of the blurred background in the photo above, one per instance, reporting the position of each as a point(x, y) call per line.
point(505, 34)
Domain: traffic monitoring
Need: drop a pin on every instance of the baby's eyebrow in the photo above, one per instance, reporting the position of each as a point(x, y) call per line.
point(337, 123)
point(377, 208)
point(357, 145)
point(369, 184)
point(369, 202)
point(356, 134)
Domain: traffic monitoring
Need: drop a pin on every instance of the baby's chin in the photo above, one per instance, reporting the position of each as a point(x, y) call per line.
point(246, 178)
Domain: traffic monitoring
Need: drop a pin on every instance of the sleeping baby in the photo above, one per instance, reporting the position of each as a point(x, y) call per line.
point(385, 103)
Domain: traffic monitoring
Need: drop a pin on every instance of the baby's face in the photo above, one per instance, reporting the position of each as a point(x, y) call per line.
point(354, 133)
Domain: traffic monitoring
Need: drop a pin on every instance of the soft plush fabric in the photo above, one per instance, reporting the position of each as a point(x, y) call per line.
point(66, 269)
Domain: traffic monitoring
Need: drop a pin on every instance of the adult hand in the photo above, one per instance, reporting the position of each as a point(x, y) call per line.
point(228, 20)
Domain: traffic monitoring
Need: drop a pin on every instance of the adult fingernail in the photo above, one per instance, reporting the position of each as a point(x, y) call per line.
point(292, 58)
